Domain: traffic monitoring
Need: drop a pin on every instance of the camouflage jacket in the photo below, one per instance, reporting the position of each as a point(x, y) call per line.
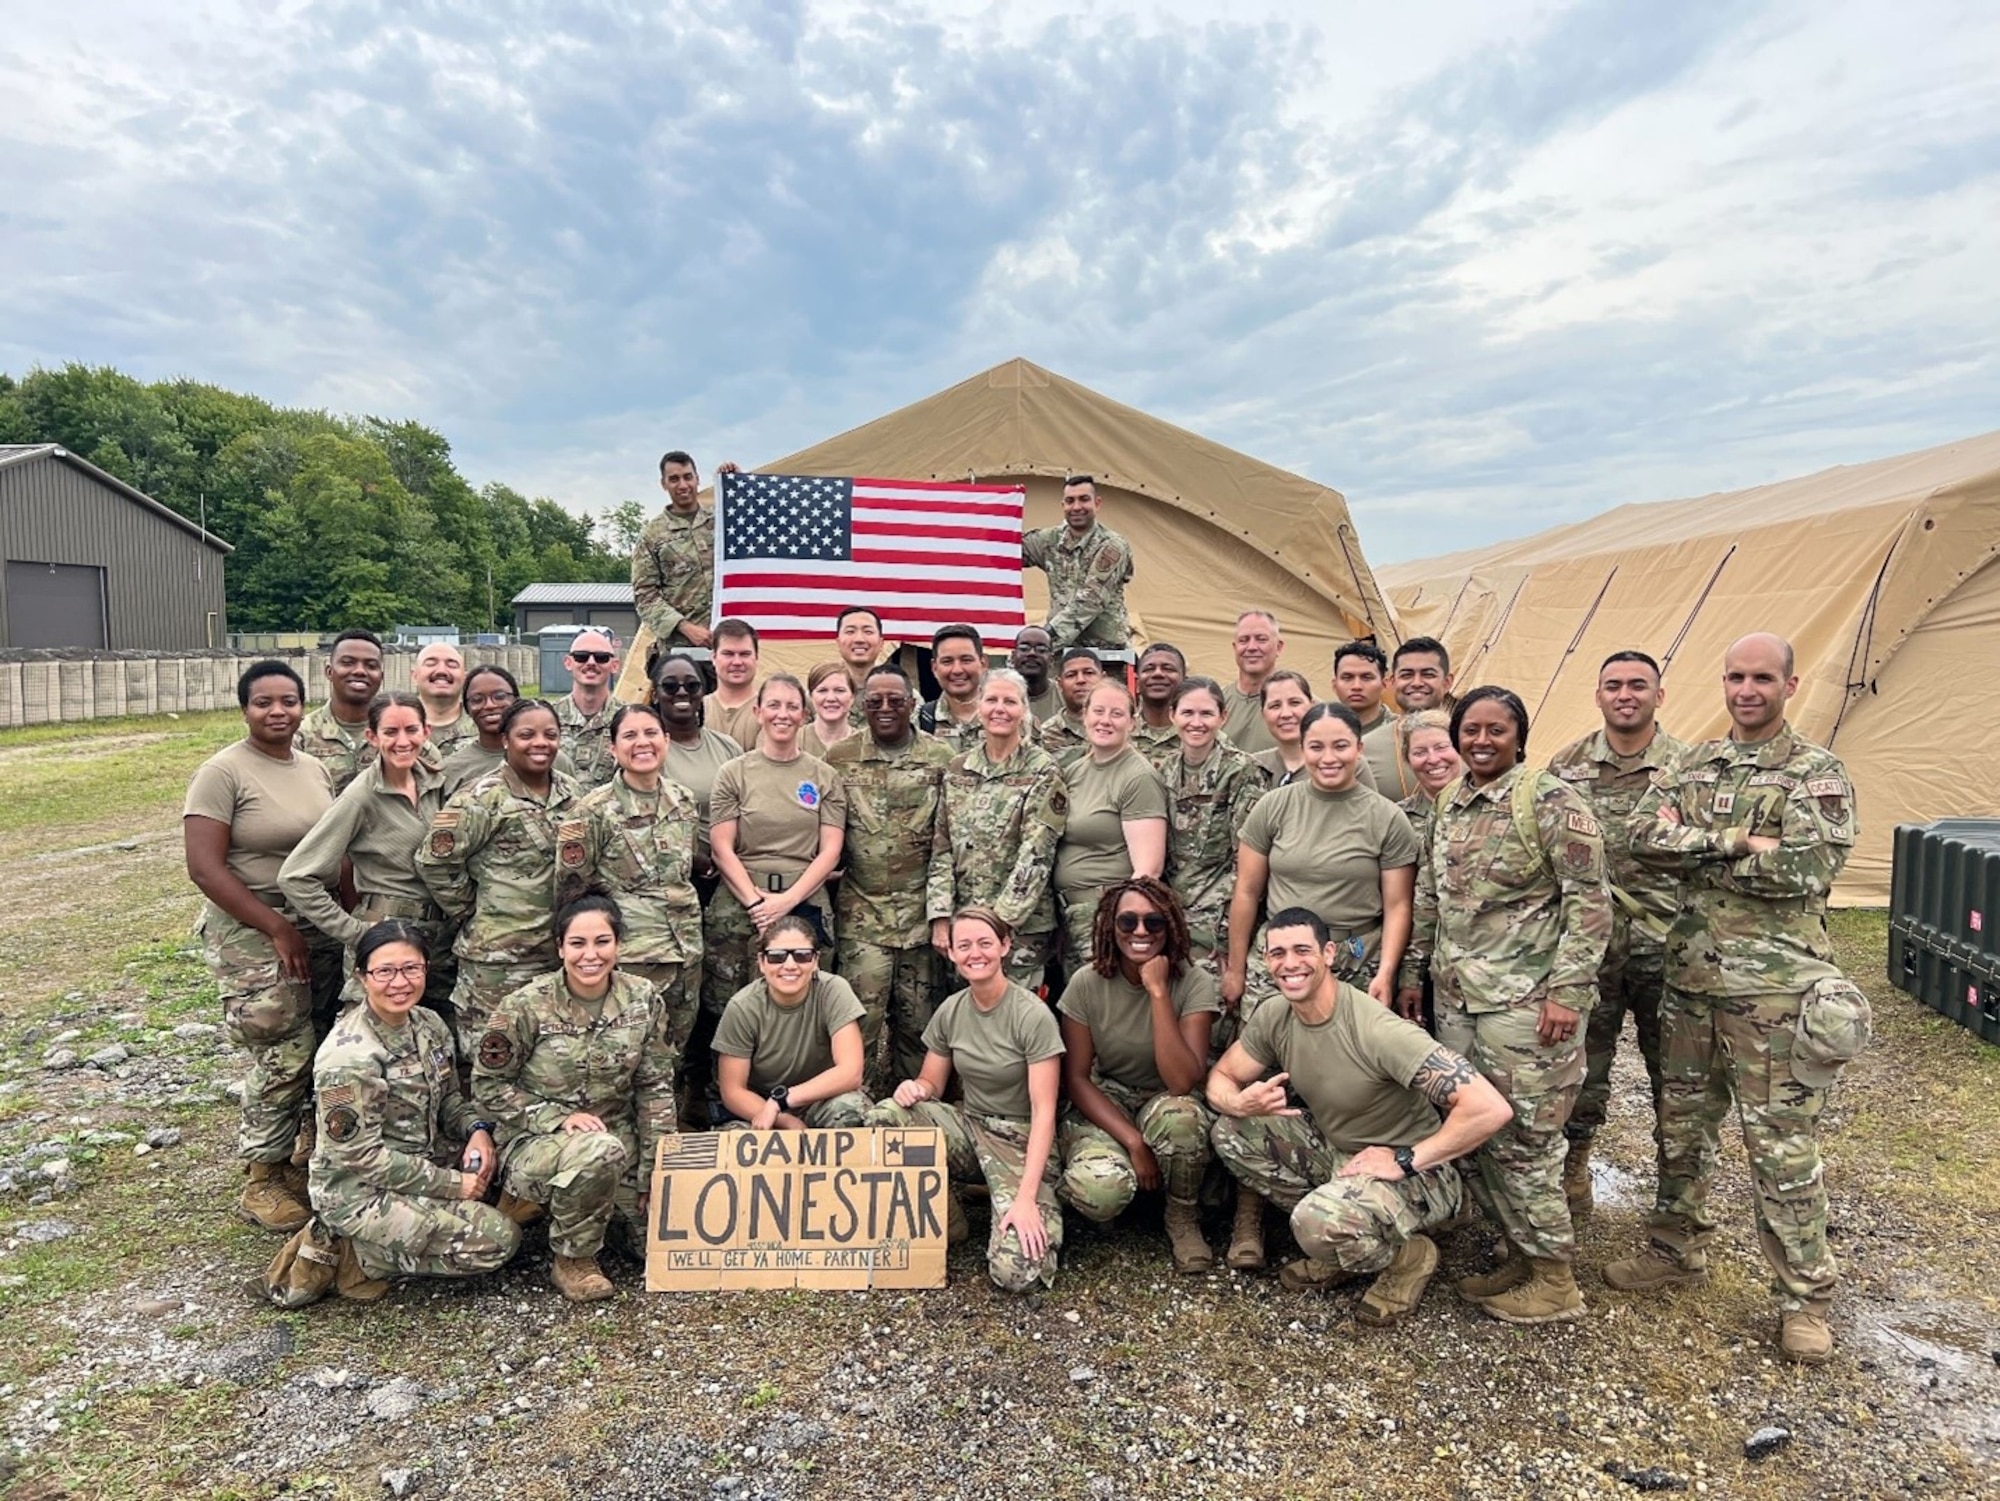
point(391, 1116)
point(642, 848)
point(1206, 809)
point(1062, 737)
point(1087, 579)
point(587, 739)
point(444, 739)
point(1158, 746)
point(1749, 924)
point(343, 749)
point(1613, 786)
point(546, 1055)
point(995, 842)
point(892, 814)
point(1507, 917)
point(673, 570)
point(934, 718)
point(494, 858)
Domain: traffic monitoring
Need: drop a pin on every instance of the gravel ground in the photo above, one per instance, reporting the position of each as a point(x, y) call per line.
point(135, 1366)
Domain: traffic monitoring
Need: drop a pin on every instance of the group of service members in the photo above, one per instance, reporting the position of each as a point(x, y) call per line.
point(785, 905)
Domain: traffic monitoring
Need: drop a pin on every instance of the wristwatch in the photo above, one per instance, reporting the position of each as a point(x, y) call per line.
point(780, 1095)
point(1406, 1159)
point(487, 1126)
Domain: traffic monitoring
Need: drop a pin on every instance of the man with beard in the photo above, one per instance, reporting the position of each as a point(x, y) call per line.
point(439, 681)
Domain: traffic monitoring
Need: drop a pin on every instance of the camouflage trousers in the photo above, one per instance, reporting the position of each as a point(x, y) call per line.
point(279, 1021)
point(402, 1235)
point(1716, 1050)
point(843, 1112)
point(1027, 962)
point(1517, 1174)
point(1358, 1224)
point(673, 999)
point(993, 1150)
point(729, 945)
point(584, 1178)
point(1098, 1180)
point(1631, 983)
point(1079, 914)
point(897, 991)
point(480, 989)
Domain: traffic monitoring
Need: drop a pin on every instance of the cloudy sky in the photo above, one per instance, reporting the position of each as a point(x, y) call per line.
point(1482, 265)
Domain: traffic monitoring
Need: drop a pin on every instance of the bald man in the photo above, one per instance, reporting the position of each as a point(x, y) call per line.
point(439, 680)
point(1759, 824)
point(585, 711)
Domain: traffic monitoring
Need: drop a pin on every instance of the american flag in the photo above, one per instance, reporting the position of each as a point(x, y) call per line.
point(794, 550)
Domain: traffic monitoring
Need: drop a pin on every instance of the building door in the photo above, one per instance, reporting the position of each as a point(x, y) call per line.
point(55, 604)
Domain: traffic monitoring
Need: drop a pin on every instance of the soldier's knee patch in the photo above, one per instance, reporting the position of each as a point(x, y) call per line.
point(1175, 1123)
point(1098, 1181)
point(262, 1006)
point(1341, 1222)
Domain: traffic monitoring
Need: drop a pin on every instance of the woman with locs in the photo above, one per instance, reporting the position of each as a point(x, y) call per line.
point(1005, 1047)
point(247, 808)
point(402, 1161)
point(376, 827)
point(1135, 1031)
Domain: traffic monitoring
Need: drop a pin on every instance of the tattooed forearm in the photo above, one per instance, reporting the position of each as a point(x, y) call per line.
point(1440, 1077)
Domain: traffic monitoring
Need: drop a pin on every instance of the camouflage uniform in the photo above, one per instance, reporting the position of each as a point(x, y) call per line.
point(1097, 1176)
point(934, 718)
point(641, 847)
point(1206, 807)
point(1062, 737)
point(995, 846)
point(1087, 579)
point(446, 738)
point(1358, 1224)
point(1158, 745)
point(494, 860)
point(1515, 917)
point(1747, 955)
point(1421, 810)
point(992, 1150)
point(393, 1125)
point(343, 749)
point(545, 1056)
point(1634, 973)
point(885, 937)
point(587, 739)
point(673, 573)
point(277, 1020)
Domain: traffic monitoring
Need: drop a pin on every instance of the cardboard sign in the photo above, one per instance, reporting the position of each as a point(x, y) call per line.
point(833, 1209)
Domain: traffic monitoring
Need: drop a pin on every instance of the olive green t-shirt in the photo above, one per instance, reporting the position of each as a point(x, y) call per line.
point(695, 766)
point(991, 1050)
point(1328, 851)
point(739, 724)
point(1120, 1019)
point(786, 1044)
point(1353, 1070)
point(779, 808)
point(1243, 720)
point(269, 806)
point(1393, 779)
point(1102, 800)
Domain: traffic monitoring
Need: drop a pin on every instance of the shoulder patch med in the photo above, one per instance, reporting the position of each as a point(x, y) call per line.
point(1578, 822)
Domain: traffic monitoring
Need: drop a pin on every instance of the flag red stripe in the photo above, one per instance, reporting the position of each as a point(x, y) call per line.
point(777, 605)
point(932, 529)
point(1008, 588)
point(871, 504)
point(931, 484)
point(914, 562)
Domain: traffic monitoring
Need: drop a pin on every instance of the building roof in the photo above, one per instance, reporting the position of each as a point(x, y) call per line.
point(22, 453)
point(575, 594)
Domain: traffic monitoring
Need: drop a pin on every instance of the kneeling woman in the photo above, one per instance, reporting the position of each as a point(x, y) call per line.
point(1135, 1030)
point(402, 1161)
point(577, 1072)
point(1005, 1045)
point(788, 1052)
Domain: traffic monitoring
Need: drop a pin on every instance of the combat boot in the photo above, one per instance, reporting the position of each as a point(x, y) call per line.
point(579, 1279)
point(354, 1284)
point(1399, 1287)
point(1189, 1246)
point(268, 1201)
point(956, 1231)
point(1504, 1278)
point(1576, 1178)
point(302, 1271)
point(1653, 1270)
point(1246, 1236)
point(1804, 1336)
point(1549, 1296)
point(523, 1212)
point(1307, 1275)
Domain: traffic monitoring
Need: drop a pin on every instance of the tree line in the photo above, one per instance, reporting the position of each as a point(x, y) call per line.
point(336, 521)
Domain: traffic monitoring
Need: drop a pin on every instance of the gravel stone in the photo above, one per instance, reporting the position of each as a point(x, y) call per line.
point(109, 1057)
point(163, 1136)
point(399, 1483)
point(42, 1232)
point(394, 1400)
point(193, 1031)
point(1766, 1441)
point(59, 1060)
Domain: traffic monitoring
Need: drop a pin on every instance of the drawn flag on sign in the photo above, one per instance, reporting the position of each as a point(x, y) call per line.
point(794, 550)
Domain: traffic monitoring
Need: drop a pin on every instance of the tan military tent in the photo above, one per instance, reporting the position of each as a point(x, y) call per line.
point(1885, 576)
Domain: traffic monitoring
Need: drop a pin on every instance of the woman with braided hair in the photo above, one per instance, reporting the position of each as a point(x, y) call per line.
point(1135, 1026)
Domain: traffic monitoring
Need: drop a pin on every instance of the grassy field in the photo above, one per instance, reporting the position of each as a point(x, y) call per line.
point(133, 1366)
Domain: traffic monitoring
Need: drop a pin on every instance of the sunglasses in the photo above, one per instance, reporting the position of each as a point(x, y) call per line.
point(1132, 922)
point(797, 956)
point(676, 688)
point(599, 657)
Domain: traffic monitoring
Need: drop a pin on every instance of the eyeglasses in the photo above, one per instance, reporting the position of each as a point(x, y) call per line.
point(599, 657)
point(797, 956)
point(413, 971)
point(881, 701)
point(1132, 922)
point(678, 687)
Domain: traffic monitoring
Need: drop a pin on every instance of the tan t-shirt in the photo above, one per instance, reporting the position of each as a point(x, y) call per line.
point(1328, 851)
point(1243, 720)
point(269, 806)
point(1393, 779)
point(786, 1044)
point(1102, 800)
point(695, 766)
point(991, 1050)
point(779, 808)
point(1046, 705)
point(1353, 1070)
point(1120, 1019)
point(739, 724)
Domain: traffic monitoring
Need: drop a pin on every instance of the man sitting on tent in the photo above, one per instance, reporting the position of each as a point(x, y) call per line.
point(1088, 566)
